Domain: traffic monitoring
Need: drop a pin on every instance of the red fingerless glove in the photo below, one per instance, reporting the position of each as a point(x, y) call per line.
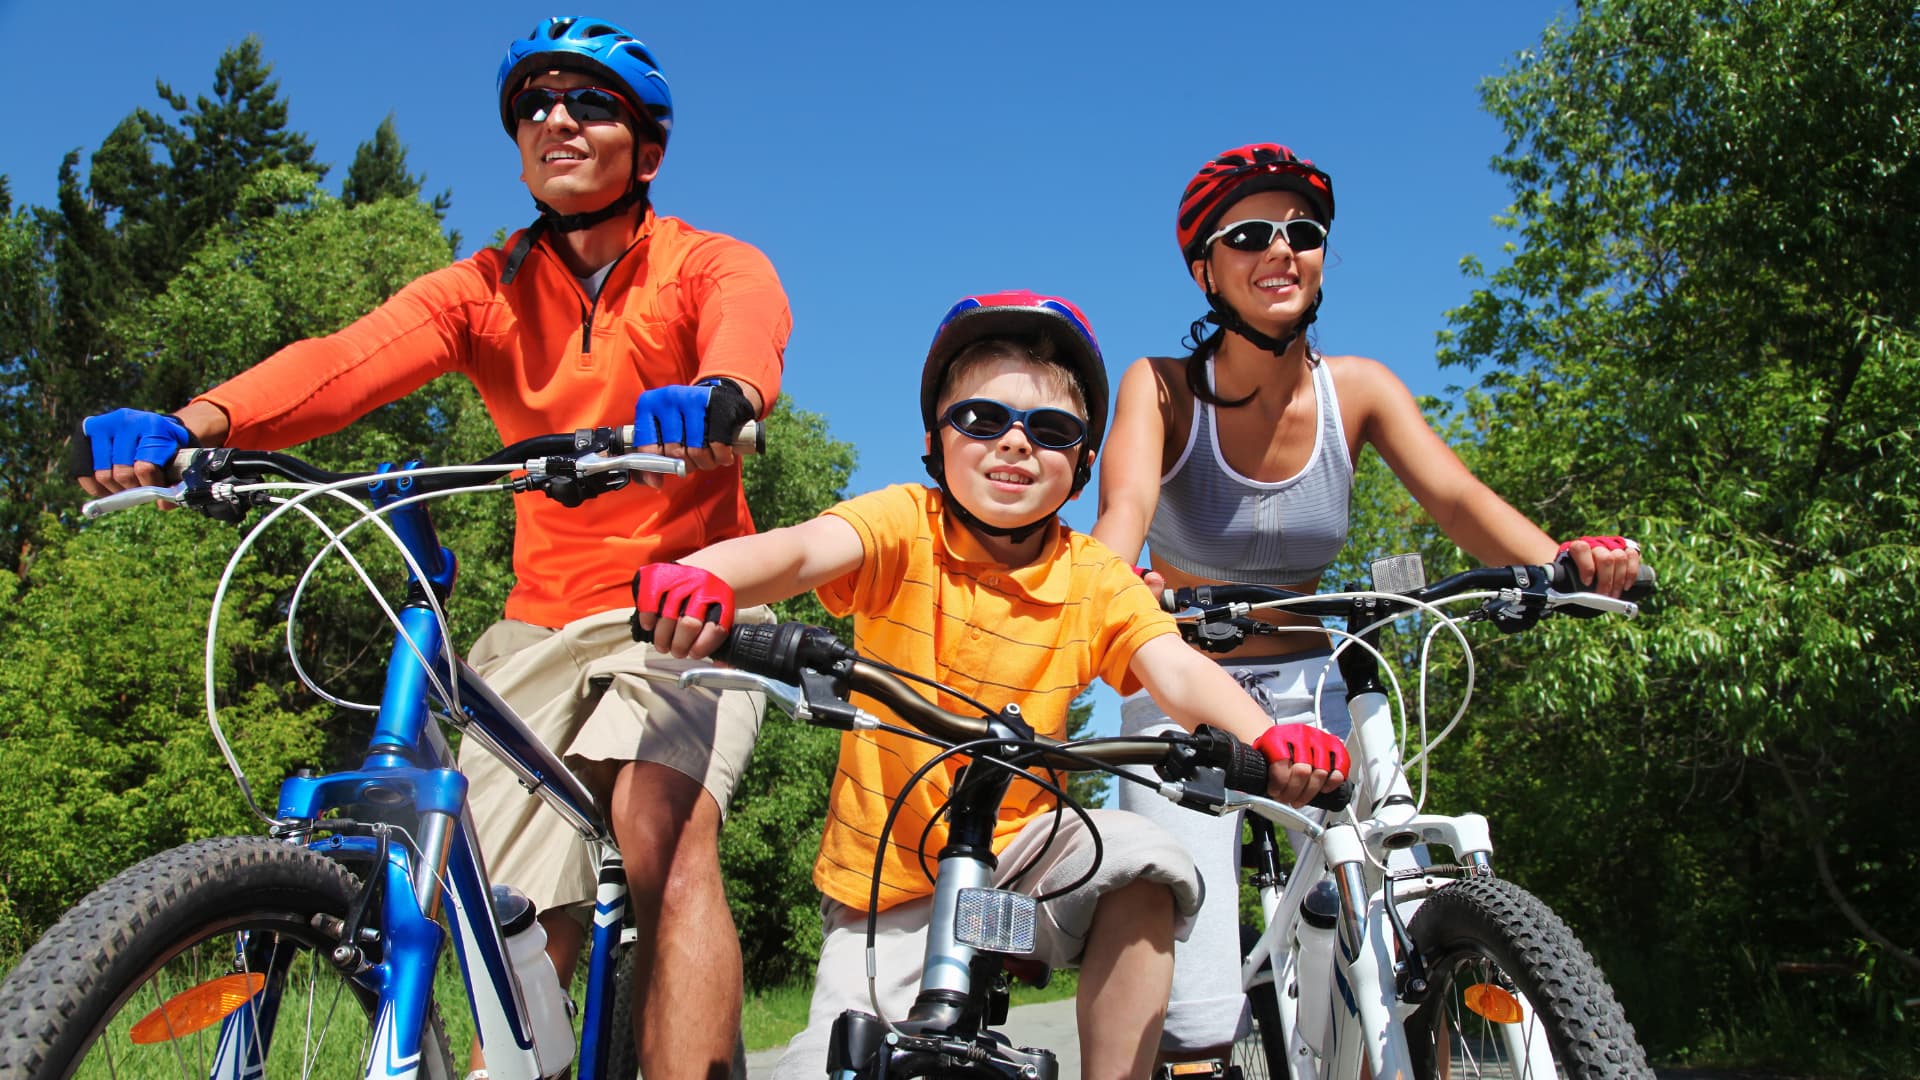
point(1611, 543)
point(1304, 742)
point(671, 590)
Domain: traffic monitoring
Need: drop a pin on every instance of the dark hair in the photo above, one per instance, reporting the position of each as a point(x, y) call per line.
point(1201, 345)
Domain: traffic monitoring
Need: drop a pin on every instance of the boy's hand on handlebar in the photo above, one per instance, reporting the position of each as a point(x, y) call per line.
point(695, 423)
point(1302, 761)
point(688, 610)
point(127, 448)
point(1603, 564)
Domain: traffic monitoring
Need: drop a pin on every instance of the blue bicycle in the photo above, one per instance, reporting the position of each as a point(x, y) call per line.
point(312, 951)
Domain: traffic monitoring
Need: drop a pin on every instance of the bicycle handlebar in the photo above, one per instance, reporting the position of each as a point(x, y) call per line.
point(1554, 585)
point(801, 655)
point(548, 459)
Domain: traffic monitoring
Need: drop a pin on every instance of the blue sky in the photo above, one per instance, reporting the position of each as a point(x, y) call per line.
point(891, 158)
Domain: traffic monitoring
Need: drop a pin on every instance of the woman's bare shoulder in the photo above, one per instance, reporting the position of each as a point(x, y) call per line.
point(1363, 377)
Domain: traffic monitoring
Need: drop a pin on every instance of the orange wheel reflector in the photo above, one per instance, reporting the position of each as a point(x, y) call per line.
point(200, 1007)
point(1493, 1003)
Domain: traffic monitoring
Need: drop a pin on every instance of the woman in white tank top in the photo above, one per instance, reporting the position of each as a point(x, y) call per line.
point(1238, 461)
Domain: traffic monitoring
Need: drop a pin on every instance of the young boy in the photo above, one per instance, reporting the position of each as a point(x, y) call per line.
point(977, 585)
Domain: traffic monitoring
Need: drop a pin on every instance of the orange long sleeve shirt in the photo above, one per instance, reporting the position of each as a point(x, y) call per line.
point(679, 306)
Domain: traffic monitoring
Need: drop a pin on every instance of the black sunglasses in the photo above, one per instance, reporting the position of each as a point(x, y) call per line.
point(1256, 234)
point(985, 418)
point(586, 104)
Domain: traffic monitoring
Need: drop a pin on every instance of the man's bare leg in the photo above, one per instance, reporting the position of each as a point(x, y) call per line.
point(686, 970)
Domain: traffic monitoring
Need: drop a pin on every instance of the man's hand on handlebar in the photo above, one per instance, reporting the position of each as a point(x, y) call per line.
point(1302, 761)
point(687, 610)
point(695, 423)
point(126, 448)
point(1604, 564)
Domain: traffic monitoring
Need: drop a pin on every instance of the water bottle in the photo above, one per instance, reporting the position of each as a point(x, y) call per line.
point(1316, 939)
point(539, 986)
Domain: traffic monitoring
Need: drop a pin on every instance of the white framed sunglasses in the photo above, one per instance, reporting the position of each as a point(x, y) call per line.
point(1256, 234)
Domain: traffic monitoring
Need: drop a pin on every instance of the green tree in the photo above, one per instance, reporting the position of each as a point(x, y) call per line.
point(152, 192)
point(209, 152)
point(379, 171)
point(105, 755)
point(773, 827)
point(1708, 336)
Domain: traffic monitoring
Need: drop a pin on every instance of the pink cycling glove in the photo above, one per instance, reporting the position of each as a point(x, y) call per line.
point(671, 590)
point(1305, 743)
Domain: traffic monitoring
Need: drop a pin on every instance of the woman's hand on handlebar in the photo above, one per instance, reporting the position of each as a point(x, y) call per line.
point(686, 609)
point(1302, 761)
point(1607, 565)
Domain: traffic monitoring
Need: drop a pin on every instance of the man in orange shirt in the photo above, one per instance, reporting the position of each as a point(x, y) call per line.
point(600, 313)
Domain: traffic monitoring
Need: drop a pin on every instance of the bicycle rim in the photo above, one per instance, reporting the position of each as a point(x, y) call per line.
point(124, 986)
point(321, 1025)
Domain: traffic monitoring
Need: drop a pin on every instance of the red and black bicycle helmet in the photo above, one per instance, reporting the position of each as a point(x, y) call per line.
point(1238, 173)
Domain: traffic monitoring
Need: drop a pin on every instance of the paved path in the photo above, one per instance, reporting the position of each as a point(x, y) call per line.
point(1051, 1025)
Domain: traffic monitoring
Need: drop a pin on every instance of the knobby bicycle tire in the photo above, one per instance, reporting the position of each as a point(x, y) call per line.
point(172, 922)
point(1489, 931)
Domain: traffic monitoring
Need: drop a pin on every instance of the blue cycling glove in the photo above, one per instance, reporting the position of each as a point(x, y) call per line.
point(712, 411)
point(127, 436)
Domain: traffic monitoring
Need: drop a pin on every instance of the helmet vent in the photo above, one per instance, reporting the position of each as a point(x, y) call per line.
point(557, 28)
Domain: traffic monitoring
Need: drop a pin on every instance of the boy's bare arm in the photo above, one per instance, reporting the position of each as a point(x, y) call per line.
point(772, 566)
point(1193, 690)
point(742, 572)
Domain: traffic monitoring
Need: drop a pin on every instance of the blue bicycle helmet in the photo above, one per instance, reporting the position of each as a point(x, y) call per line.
point(594, 45)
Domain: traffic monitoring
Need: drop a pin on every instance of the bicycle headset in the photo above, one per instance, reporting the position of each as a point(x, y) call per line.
point(605, 51)
point(1226, 180)
point(1017, 314)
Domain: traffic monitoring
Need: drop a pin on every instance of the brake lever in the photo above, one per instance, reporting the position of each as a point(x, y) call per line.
point(792, 700)
point(788, 697)
point(1612, 605)
point(132, 497)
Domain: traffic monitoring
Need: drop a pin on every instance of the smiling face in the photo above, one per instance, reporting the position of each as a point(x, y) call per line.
point(1271, 289)
point(1008, 481)
point(575, 167)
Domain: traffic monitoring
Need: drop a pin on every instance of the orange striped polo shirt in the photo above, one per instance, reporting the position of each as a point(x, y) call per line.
point(929, 599)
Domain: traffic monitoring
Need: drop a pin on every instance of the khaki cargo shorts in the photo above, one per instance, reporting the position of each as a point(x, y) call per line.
point(592, 693)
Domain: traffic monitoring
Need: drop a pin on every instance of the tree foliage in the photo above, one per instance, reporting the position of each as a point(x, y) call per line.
point(379, 171)
point(1708, 336)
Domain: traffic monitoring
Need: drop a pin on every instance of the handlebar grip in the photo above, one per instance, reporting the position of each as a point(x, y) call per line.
point(1245, 768)
point(1337, 799)
point(751, 439)
point(80, 450)
point(1563, 578)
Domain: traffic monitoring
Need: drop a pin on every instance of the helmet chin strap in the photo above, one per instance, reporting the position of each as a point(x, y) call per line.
point(1225, 317)
point(1019, 534)
point(574, 222)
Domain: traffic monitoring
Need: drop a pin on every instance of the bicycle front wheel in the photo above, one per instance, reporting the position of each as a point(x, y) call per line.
point(111, 990)
point(1512, 993)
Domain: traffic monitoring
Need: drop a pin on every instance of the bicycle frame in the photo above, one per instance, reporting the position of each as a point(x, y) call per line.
point(1371, 994)
point(438, 867)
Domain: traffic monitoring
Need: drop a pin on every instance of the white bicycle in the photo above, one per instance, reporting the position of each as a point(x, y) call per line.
point(1375, 963)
